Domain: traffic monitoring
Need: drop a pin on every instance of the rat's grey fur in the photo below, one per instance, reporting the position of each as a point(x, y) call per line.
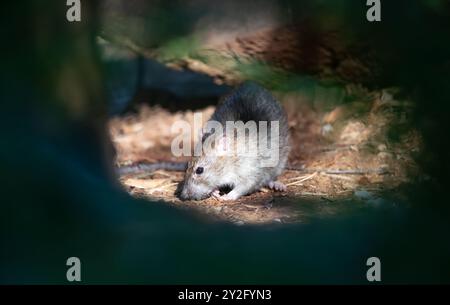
point(244, 174)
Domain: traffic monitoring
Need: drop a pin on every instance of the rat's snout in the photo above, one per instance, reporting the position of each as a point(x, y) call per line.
point(193, 192)
point(185, 194)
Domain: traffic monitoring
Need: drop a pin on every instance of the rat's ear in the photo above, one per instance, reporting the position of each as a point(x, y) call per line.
point(221, 147)
point(200, 133)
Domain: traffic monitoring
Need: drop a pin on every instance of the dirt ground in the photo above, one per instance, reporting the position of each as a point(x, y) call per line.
point(355, 151)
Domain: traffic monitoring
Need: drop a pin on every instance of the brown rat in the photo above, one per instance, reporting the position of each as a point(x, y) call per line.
point(242, 171)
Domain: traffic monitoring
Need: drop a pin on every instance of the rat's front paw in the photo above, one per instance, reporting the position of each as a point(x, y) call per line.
point(216, 194)
point(230, 196)
point(277, 186)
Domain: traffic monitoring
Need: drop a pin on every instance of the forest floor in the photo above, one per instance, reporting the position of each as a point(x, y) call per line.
point(373, 136)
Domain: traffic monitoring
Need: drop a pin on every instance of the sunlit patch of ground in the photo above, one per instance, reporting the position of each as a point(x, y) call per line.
point(373, 136)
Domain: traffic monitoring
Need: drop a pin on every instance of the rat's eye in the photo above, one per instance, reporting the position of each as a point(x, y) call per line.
point(199, 170)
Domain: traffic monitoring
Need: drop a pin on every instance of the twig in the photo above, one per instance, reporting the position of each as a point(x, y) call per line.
point(379, 171)
point(312, 194)
point(338, 176)
point(302, 179)
point(151, 167)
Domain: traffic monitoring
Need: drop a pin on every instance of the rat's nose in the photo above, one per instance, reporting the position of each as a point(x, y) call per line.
point(185, 194)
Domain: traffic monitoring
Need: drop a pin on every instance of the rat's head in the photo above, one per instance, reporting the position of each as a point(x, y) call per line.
point(206, 173)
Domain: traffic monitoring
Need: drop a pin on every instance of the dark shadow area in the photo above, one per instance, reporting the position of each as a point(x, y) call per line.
point(135, 81)
point(61, 199)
